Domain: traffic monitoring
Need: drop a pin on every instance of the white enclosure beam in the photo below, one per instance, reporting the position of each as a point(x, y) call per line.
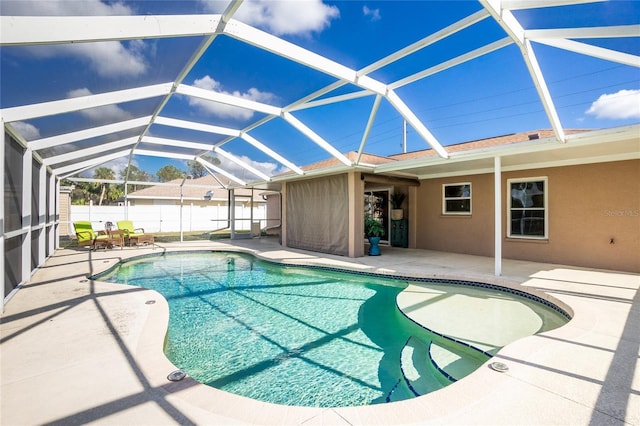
point(331, 100)
point(585, 32)
point(87, 164)
point(417, 125)
point(595, 51)
point(221, 171)
point(192, 125)
point(427, 41)
point(512, 27)
point(543, 91)
point(327, 89)
point(162, 154)
point(533, 4)
point(178, 143)
point(88, 133)
point(76, 171)
point(262, 147)
point(84, 153)
point(241, 163)
point(45, 109)
point(453, 62)
point(367, 130)
point(302, 128)
point(223, 98)
point(298, 54)
point(30, 30)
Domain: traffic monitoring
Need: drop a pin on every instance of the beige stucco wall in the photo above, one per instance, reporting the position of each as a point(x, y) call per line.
point(274, 214)
point(65, 211)
point(588, 206)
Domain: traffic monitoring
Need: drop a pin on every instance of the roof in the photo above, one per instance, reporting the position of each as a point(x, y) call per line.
point(203, 188)
point(141, 83)
point(497, 141)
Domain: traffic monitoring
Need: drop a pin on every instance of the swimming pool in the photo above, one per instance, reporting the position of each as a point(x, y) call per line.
point(303, 336)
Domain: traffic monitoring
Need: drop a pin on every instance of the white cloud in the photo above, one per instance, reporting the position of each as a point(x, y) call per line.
point(118, 166)
point(282, 17)
point(242, 173)
point(624, 104)
point(373, 14)
point(227, 111)
point(28, 131)
point(108, 59)
point(104, 114)
point(64, 7)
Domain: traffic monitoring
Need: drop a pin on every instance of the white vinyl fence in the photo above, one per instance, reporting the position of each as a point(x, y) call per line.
point(166, 218)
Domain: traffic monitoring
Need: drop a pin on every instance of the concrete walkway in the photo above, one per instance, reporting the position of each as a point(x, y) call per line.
point(75, 351)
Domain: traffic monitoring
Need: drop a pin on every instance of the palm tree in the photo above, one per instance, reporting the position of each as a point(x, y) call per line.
point(106, 174)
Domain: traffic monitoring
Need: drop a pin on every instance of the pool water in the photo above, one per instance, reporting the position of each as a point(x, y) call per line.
point(293, 335)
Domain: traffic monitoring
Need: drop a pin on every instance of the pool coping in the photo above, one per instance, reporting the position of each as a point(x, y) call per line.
point(584, 372)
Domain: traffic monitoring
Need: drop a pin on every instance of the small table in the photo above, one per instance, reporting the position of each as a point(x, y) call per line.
point(113, 238)
point(141, 239)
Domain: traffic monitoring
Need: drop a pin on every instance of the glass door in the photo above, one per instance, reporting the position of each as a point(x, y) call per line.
point(376, 205)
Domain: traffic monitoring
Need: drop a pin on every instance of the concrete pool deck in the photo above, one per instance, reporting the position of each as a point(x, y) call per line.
point(77, 351)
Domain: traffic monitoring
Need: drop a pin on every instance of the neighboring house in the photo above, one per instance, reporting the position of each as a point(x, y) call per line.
point(203, 191)
point(204, 203)
point(574, 203)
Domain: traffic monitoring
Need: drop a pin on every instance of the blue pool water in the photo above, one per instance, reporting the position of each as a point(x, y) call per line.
point(291, 335)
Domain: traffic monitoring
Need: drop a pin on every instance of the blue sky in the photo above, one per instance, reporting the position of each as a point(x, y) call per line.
point(489, 96)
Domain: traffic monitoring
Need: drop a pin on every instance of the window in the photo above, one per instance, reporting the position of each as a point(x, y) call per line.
point(527, 208)
point(456, 198)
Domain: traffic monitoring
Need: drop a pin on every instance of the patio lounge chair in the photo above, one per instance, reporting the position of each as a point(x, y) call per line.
point(134, 235)
point(88, 237)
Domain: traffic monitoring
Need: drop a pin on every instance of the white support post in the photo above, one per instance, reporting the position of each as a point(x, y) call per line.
point(497, 191)
point(27, 188)
point(232, 213)
point(2, 171)
point(54, 214)
point(181, 207)
point(251, 215)
point(42, 215)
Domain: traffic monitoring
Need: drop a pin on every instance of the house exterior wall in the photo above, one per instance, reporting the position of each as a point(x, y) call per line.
point(588, 205)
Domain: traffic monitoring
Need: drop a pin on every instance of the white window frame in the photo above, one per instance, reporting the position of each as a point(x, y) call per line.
point(445, 199)
point(545, 208)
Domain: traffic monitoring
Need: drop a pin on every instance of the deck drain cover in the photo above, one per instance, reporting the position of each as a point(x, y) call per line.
point(498, 366)
point(176, 376)
point(149, 302)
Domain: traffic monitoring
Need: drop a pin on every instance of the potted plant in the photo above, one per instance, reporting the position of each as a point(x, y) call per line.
point(373, 230)
point(397, 198)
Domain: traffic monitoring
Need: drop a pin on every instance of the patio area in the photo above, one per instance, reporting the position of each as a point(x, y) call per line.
point(75, 351)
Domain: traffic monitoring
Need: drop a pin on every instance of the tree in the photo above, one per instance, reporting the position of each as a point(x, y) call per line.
point(197, 170)
point(169, 172)
point(135, 174)
point(106, 174)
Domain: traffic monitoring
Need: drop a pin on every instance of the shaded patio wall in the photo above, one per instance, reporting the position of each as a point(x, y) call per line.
point(324, 214)
point(589, 205)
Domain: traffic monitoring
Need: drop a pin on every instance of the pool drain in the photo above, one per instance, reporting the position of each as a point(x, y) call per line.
point(499, 367)
point(176, 376)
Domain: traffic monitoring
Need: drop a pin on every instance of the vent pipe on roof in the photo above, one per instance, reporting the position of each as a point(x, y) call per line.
point(404, 136)
point(534, 136)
